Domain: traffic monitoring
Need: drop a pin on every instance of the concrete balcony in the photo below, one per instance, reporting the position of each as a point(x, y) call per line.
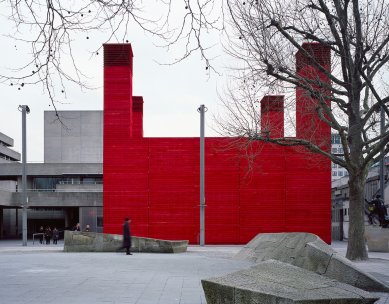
point(79, 188)
point(53, 199)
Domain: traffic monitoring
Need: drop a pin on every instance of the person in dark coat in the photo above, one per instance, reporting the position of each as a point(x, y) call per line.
point(127, 236)
point(55, 235)
point(42, 233)
point(48, 235)
point(379, 209)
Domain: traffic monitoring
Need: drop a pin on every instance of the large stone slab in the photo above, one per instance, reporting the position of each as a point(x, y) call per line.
point(280, 283)
point(377, 238)
point(76, 241)
point(308, 251)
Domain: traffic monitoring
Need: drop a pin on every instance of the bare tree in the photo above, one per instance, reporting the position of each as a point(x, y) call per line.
point(48, 31)
point(265, 35)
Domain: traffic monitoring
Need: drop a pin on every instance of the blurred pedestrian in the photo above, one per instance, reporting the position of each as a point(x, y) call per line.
point(42, 233)
point(127, 236)
point(55, 235)
point(48, 235)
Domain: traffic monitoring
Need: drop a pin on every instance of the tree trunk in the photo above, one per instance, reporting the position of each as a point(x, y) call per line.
point(356, 249)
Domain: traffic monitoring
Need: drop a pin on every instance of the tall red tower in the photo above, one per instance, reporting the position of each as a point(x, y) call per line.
point(117, 129)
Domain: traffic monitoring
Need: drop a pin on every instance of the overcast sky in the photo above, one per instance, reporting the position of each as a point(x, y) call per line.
point(171, 94)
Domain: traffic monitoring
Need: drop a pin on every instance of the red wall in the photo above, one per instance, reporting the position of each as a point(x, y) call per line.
point(155, 181)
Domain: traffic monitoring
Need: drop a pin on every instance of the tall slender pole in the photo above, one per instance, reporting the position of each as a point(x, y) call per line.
point(202, 109)
point(25, 110)
point(382, 159)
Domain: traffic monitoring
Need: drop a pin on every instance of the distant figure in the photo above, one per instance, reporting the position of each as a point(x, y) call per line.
point(48, 235)
point(42, 231)
point(77, 227)
point(55, 235)
point(126, 236)
point(87, 228)
point(378, 207)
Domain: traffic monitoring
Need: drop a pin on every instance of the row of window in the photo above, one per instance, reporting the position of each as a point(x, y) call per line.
point(339, 173)
point(335, 138)
point(49, 183)
point(337, 150)
point(336, 166)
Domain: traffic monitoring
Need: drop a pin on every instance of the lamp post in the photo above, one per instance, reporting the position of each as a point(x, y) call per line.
point(202, 109)
point(25, 110)
point(382, 159)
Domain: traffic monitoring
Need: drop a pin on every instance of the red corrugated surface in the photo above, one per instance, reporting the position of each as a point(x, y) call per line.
point(272, 116)
point(155, 181)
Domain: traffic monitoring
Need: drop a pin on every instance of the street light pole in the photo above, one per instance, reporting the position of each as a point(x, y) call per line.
point(202, 109)
point(25, 110)
point(382, 159)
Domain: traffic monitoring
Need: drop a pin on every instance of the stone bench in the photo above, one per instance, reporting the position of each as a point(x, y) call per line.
point(280, 283)
point(76, 241)
point(308, 251)
point(377, 238)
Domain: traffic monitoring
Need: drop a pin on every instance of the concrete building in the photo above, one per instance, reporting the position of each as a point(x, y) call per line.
point(337, 149)
point(341, 201)
point(73, 137)
point(67, 187)
point(7, 155)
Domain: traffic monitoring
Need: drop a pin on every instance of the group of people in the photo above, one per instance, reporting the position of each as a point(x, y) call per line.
point(47, 234)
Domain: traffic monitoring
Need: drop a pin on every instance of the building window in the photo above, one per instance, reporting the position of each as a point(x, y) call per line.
point(99, 221)
point(335, 138)
point(334, 173)
point(45, 183)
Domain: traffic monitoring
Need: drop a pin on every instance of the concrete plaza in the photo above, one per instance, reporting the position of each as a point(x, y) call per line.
point(45, 274)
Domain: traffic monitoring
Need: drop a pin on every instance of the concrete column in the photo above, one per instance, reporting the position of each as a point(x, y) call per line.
point(1, 223)
point(66, 215)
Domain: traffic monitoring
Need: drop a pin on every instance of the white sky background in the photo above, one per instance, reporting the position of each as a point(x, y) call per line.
point(171, 94)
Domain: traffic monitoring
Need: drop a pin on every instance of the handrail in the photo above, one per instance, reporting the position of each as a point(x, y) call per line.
point(43, 234)
point(34, 234)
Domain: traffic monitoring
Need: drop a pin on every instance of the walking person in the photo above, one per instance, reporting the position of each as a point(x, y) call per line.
point(127, 236)
point(55, 235)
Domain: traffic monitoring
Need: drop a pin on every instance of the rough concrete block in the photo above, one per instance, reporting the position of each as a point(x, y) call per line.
point(308, 251)
point(280, 283)
point(76, 241)
point(377, 238)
